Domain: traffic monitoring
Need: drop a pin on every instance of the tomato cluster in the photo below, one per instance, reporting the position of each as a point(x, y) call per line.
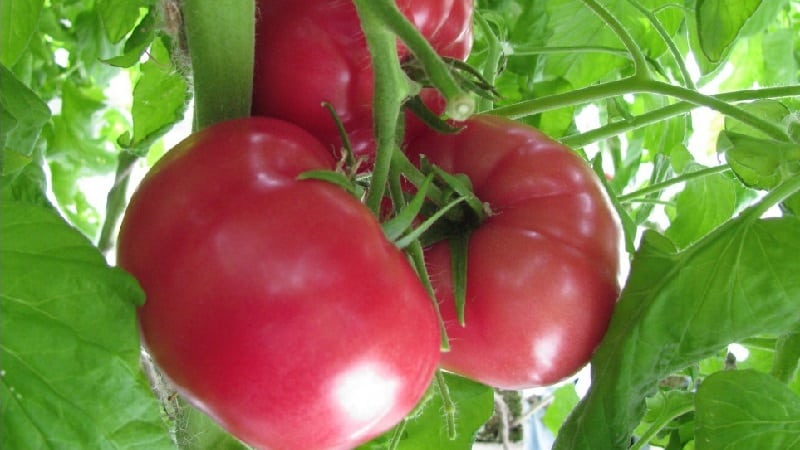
point(276, 304)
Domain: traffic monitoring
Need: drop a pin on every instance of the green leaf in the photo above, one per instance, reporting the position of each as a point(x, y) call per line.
point(160, 98)
point(680, 307)
point(572, 24)
point(719, 26)
point(564, 400)
point(137, 43)
point(427, 428)
point(19, 20)
point(24, 114)
point(744, 410)
point(197, 431)
point(719, 23)
point(119, 16)
point(70, 347)
point(704, 204)
point(759, 163)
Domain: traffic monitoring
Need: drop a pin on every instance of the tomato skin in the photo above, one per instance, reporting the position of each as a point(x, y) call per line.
point(275, 305)
point(542, 271)
point(308, 52)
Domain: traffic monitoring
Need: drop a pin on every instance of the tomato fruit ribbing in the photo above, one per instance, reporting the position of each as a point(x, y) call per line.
point(275, 305)
point(308, 52)
point(542, 270)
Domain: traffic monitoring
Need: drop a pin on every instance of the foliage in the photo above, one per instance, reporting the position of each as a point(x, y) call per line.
point(694, 111)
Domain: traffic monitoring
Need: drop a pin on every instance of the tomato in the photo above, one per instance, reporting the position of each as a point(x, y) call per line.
point(542, 270)
point(275, 305)
point(308, 52)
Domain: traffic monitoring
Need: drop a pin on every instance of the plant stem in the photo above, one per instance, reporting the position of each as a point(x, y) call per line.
point(529, 51)
point(671, 182)
point(658, 426)
point(639, 61)
point(493, 55)
point(460, 105)
point(391, 89)
point(633, 85)
point(116, 200)
point(447, 404)
point(775, 196)
point(658, 115)
point(221, 39)
point(397, 436)
point(676, 54)
point(415, 252)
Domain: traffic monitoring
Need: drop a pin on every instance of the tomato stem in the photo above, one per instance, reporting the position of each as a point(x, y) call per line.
point(639, 62)
point(448, 406)
point(666, 112)
point(493, 55)
point(634, 85)
point(460, 105)
point(220, 35)
point(658, 187)
point(391, 89)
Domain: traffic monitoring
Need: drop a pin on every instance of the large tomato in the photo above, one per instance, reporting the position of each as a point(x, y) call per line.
point(542, 273)
point(275, 305)
point(308, 52)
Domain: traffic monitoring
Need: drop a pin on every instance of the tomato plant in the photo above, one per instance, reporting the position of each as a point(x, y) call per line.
point(309, 52)
point(275, 305)
point(543, 268)
point(681, 104)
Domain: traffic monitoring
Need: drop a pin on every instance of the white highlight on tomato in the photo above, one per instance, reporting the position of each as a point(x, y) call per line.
point(366, 393)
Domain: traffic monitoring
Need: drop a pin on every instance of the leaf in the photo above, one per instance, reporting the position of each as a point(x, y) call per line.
point(564, 400)
point(745, 409)
point(759, 163)
point(119, 16)
point(160, 98)
point(719, 23)
point(718, 27)
point(70, 348)
point(704, 204)
point(427, 428)
point(138, 42)
point(572, 24)
point(19, 20)
point(680, 307)
point(197, 431)
point(24, 114)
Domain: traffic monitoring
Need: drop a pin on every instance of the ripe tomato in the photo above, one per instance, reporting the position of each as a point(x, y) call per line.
point(308, 52)
point(275, 305)
point(542, 271)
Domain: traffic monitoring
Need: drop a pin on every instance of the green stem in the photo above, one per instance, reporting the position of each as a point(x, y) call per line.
point(530, 51)
point(634, 85)
point(116, 201)
point(460, 104)
point(397, 436)
point(774, 197)
point(447, 404)
point(658, 426)
point(221, 38)
point(661, 114)
point(417, 255)
point(493, 55)
point(671, 182)
point(787, 354)
point(391, 89)
point(639, 61)
point(676, 54)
